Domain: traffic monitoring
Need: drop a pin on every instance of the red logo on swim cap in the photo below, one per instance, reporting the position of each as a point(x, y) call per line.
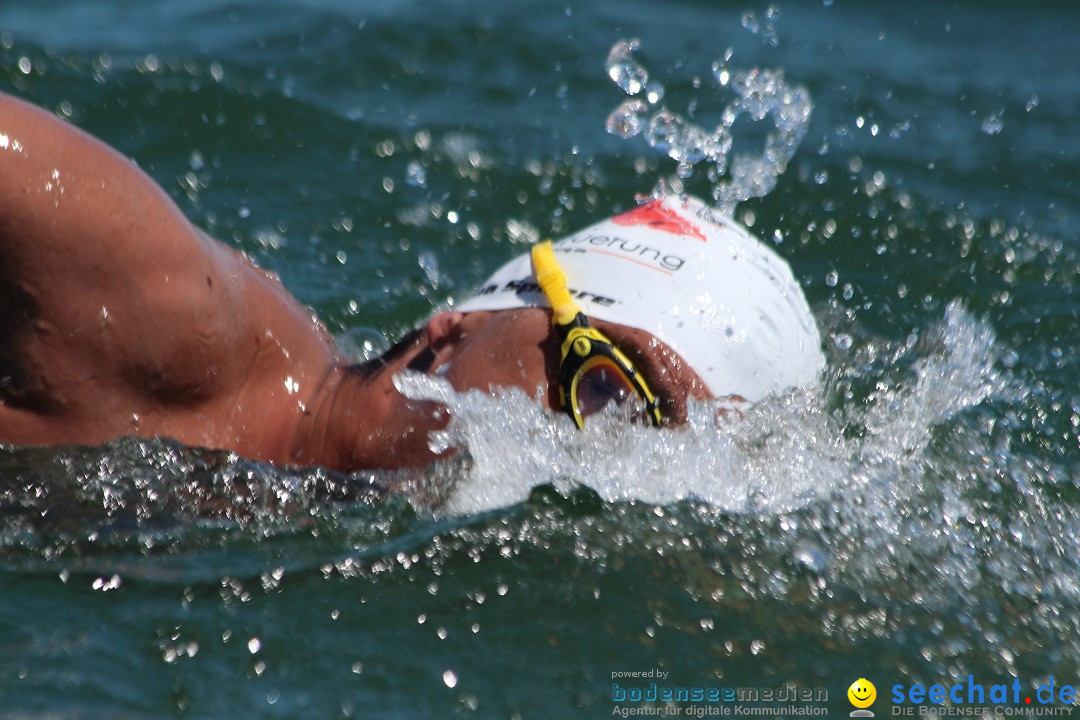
point(655, 215)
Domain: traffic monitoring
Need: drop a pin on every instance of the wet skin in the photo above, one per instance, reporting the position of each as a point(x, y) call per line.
point(118, 317)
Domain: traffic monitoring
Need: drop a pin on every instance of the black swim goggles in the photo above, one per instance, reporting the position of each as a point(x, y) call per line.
point(592, 371)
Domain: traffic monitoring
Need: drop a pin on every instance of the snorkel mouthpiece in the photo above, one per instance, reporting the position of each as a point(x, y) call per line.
point(592, 370)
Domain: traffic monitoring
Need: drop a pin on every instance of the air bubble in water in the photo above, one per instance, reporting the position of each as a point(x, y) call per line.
point(624, 70)
point(628, 119)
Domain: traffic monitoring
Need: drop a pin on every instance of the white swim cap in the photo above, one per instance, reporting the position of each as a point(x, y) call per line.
point(699, 282)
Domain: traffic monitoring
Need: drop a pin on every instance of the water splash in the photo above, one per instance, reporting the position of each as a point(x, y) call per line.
point(787, 453)
point(147, 489)
point(760, 94)
point(904, 495)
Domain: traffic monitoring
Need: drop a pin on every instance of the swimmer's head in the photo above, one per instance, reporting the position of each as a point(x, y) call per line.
point(699, 283)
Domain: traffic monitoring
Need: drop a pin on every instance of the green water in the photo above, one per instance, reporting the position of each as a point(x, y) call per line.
point(912, 522)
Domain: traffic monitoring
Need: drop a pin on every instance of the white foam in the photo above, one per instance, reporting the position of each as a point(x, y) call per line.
point(786, 453)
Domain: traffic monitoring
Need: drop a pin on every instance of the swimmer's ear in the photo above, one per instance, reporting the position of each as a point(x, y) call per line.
point(444, 329)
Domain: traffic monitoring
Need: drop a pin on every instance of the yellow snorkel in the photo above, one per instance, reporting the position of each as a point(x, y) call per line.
point(592, 371)
point(552, 281)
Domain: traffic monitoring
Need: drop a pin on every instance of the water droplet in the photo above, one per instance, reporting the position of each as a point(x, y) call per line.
point(683, 141)
point(449, 679)
point(623, 70)
point(897, 130)
point(628, 119)
point(812, 556)
point(721, 73)
point(750, 22)
point(663, 129)
point(992, 124)
point(416, 174)
point(107, 584)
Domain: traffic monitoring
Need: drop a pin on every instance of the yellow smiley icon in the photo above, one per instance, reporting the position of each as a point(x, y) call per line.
point(862, 693)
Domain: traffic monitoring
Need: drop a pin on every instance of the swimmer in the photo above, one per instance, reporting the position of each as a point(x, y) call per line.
point(118, 317)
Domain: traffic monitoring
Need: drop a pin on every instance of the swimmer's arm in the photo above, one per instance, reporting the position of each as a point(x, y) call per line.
point(105, 286)
point(113, 305)
point(70, 205)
